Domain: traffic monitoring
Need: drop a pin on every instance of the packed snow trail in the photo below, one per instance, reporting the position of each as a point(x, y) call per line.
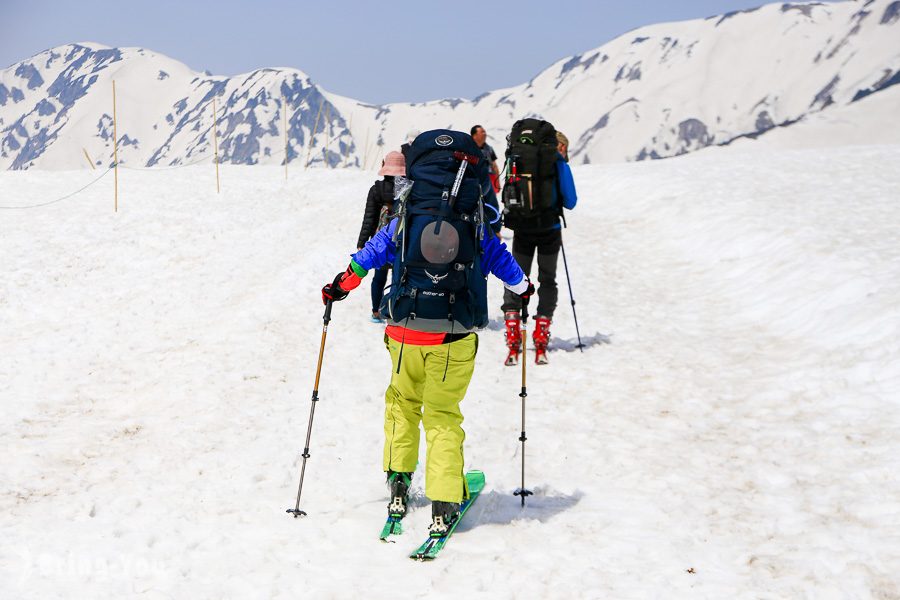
point(732, 430)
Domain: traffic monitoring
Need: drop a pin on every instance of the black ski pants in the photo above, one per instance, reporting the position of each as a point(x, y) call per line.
point(547, 244)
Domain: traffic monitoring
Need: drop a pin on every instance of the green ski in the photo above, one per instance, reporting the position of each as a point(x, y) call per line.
point(393, 526)
point(399, 484)
point(430, 547)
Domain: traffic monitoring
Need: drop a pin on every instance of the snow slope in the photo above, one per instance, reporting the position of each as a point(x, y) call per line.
point(861, 123)
point(732, 430)
point(657, 91)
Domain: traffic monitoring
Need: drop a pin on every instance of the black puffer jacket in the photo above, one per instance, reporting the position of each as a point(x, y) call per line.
point(380, 194)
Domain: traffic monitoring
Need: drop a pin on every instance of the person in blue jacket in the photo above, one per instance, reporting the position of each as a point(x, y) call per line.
point(547, 241)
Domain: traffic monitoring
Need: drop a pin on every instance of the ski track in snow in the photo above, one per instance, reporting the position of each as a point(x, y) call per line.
point(735, 413)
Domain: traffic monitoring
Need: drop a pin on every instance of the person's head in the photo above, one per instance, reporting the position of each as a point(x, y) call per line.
point(393, 165)
point(562, 144)
point(478, 134)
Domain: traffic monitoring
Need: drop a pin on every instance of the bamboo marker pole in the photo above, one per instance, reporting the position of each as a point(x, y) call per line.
point(88, 157)
point(366, 151)
point(216, 143)
point(115, 152)
point(312, 139)
point(346, 156)
point(327, 133)
point(284, 110)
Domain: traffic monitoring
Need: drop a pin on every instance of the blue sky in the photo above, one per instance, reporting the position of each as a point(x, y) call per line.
point(374, 51)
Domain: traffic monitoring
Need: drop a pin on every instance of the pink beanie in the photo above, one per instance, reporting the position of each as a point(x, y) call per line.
point(394, 164)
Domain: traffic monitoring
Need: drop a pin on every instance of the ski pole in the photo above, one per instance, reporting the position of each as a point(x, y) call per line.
point(571, 297)
point(312, 410)
point(522, 492)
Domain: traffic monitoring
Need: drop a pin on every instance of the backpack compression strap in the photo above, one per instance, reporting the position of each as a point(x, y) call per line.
point(464, 161)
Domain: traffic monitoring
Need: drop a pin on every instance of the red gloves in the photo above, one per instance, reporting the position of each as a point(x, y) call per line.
point(338, 289)
point(333, 291)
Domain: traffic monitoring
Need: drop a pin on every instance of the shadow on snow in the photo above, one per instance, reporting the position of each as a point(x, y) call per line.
point(571, 344)
point(558, 343)
point(498, 508)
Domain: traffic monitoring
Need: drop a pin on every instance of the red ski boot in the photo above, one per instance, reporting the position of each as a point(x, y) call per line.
point(541, 338)
point(513, 337)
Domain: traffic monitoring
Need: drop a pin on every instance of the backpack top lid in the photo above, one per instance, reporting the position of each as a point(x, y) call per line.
point(433, 160)
point(532, 132)
point(441, 139)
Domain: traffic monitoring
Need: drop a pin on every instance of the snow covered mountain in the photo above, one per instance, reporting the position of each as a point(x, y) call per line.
point(658, 91)
point(58, 105)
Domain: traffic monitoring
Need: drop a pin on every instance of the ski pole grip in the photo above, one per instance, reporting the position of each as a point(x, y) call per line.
point(327, 316)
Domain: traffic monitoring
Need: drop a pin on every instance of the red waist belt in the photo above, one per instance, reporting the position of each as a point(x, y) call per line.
point(405, 335)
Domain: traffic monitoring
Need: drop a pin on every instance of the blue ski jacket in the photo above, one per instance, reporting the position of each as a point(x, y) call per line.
point(565, 187)
point(566, 184)
point(495, 258)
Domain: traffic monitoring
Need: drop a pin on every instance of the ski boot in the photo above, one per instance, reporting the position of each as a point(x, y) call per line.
point(443, 516)
point(541, 338)
point(513, 337)
point(399, 484)
point(377, 318)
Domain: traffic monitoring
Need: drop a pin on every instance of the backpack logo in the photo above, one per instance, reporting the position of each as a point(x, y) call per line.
point(443, 140)
point(436, 279)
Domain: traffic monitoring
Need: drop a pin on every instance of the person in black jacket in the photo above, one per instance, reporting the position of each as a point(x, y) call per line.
point(378, 208)
point(411, 136)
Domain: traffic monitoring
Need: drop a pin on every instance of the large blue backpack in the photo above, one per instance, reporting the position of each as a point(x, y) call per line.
point(437, 283)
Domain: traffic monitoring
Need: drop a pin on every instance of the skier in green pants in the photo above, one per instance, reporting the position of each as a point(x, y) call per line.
point(441, 252)
point(421, 377)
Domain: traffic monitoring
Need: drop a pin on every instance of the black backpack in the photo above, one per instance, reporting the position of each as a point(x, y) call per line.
point(529, 190)
point(437, 283)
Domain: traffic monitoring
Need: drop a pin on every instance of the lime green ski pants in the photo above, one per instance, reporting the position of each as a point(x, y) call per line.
point(421, 392)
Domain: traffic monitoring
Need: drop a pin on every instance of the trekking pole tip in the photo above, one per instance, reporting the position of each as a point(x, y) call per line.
point(296, 512)
point(522, 493)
